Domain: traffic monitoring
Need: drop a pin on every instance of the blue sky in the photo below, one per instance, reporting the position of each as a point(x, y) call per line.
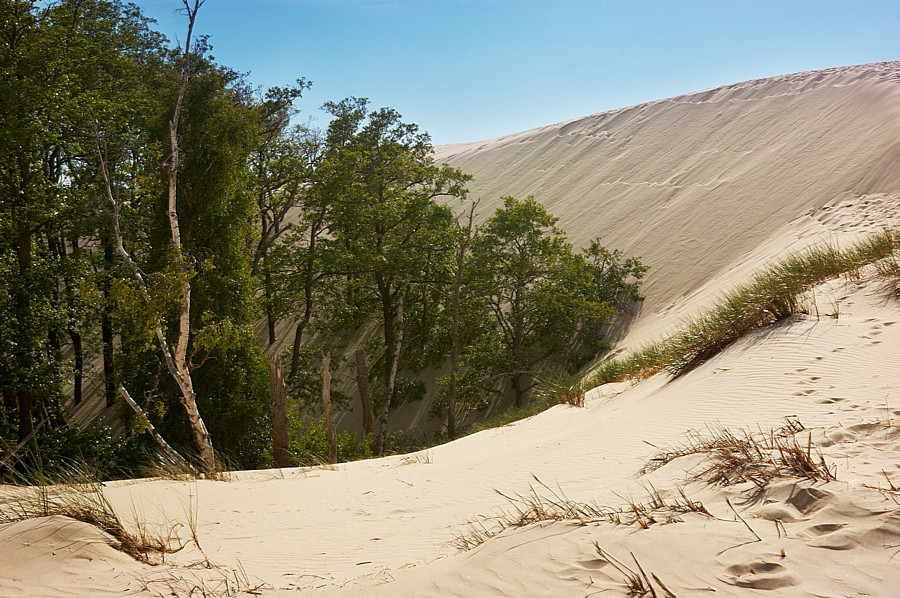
point(469, 70)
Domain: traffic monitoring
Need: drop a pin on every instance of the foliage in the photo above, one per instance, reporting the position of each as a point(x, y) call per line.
point(97, 450)
point(539, 297)
point(309, 444)
point(389, 235)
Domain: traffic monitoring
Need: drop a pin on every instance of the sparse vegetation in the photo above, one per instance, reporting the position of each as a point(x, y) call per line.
point(77, 494)
point(564, 388)
point(771, 295)
point(733, 458)
point(544, 503)
point(637, 582)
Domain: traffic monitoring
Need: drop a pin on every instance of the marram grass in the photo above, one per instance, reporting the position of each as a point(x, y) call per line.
point(772, 294)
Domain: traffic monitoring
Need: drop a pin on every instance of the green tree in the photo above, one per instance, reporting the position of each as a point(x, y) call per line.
point(386, 227)
point(56, 63)
point(539, 295)
point(281, 165)
point(228, 371)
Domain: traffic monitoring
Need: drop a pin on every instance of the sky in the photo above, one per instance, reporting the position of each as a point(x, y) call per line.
point(471, 70)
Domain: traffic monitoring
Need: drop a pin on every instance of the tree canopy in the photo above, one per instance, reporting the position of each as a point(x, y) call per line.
point(163, 222)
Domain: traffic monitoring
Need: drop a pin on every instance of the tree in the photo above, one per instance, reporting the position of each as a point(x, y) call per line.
point(539, 295)
point(465, 236)
point(57, 62)
point(385, 225)
point(175, 355)
point(280, 168)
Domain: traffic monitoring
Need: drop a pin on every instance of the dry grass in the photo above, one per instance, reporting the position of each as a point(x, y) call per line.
point(890, 491)
point(563, 388)
point(420, 458)
point(773, 294)
point(733, 458)
point(74, 493)
point(543, 504)
point(637, 582)
point(205, 581)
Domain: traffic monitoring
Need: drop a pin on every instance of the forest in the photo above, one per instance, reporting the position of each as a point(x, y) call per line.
point(160, 217)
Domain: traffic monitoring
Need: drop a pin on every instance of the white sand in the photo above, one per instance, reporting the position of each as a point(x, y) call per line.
point(730, 178)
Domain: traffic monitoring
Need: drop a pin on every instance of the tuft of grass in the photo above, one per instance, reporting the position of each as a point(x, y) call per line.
point(773, 294)
point(637, 582)
point(77, 494)
point(563, 388)
point(421, 458)
point(733, 458)
point(543, 504)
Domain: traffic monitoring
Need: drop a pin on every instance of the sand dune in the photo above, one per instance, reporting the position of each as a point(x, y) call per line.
point(699, 183)
point(706, 187)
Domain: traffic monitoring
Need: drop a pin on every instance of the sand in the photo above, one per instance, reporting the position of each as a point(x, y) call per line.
point(731, 178)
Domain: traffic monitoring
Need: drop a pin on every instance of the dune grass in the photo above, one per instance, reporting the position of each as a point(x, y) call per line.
point(745, 456)
point(773, 294)
point(543, 504)
point(75, 493)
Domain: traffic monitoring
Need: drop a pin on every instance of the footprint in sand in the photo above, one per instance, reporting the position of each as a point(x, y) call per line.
point(830, 400)
point(809, 500)
point(829, 535)
point(760, 575)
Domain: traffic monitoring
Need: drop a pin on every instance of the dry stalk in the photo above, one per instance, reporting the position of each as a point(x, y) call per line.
point(544, 504)
point(637, 582)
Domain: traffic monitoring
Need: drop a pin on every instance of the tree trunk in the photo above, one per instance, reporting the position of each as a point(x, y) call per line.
point(326, 404)
point(279, 392)
point(178, 361)
point(268, 300)
point(295, 350)
point(176, 357)
point(166, 448)
point(106, 322)
point(393, 344)
point(520, 392)
point(454, 319)
point(79, 363)
point(24, 393)
point(109, 375)
point(362, 382)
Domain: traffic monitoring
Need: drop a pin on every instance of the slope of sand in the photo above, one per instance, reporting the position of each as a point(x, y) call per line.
point(694, 184)
point(387, 527)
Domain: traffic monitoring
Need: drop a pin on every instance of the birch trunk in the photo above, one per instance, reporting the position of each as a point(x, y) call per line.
point(392, 372)
point(176, 357)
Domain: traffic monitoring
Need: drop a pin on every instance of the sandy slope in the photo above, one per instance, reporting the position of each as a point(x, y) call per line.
point(695, 183)
point(385, 527)
point(706, 209)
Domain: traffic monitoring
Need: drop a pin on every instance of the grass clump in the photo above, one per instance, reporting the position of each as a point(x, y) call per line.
point(771, 295)
point(543, 504)
point(733, 458)
point(563, 388)
point(73, 492)
point(636, 581)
